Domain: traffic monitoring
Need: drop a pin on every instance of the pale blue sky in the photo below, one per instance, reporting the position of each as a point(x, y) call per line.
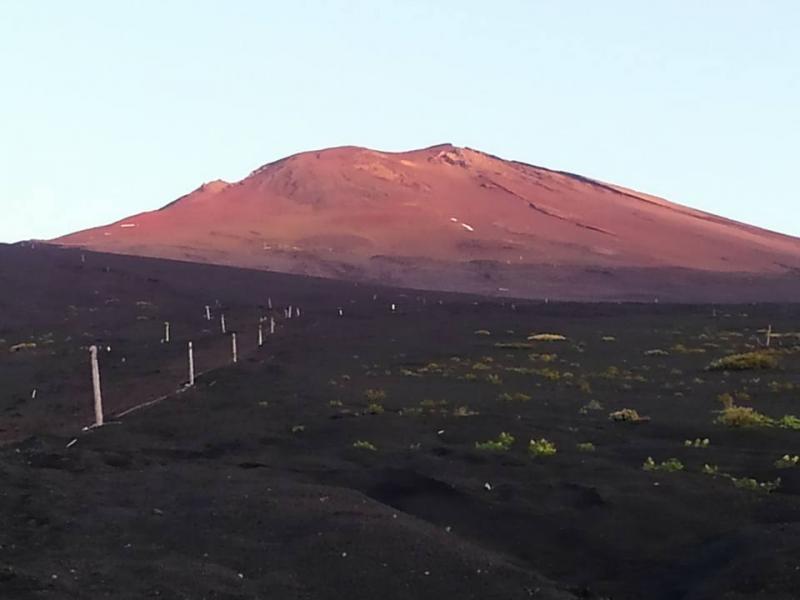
point(110, 107)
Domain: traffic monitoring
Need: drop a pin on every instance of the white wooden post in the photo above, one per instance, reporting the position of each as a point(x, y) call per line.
point(340, 312)
point(393, 307)
point(233, 348)
point(271, 325)
point(166, 332)
point(260, 334)
point(222, 322)
point(769, 335)
point(191, 365)
point(208, 312)
point(98, 398)
point(269, 302)
point(297, 311)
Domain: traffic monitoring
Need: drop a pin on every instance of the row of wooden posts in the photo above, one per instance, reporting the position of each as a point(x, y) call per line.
point(289, 312)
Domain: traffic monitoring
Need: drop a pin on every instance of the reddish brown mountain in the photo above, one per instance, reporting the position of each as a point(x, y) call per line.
point(458, 219)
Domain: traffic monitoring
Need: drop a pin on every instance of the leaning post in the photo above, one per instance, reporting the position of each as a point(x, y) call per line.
point(191, 365)
point(98, 397)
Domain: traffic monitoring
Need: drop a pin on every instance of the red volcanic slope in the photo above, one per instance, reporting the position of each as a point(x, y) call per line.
point(457, 219)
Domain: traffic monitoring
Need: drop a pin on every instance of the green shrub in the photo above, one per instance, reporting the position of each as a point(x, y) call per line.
point(375, 408)
point(629, 415)
point(656, 352)
point(464, 411)
point(375, 395)
point(789, 422)
point(670, 465)
point(745, 361)
point(697, 443)
point(753, 485)
point(586, 447)
point(549, 374)
point(542, 447)
point(502, 444)
point(364, 445)
point(515, 397)
point(743, 416)
point(786, 461)
point(591, 405)
point(546, 337)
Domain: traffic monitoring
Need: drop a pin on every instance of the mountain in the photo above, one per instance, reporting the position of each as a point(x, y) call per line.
point(458, 219)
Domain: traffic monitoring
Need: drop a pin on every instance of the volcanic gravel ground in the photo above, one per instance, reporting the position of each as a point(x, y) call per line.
point(340, 460)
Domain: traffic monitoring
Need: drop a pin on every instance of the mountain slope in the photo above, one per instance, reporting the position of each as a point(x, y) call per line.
point(458, 219)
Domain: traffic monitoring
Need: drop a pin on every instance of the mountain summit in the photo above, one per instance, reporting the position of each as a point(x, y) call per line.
point(458, 219)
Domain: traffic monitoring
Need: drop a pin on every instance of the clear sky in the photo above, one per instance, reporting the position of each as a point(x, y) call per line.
point(108, 108)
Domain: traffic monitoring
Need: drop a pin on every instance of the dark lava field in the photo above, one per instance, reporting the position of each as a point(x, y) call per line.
point(419, 445)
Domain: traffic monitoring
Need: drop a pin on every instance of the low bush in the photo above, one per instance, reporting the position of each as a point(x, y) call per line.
point(375, 395)
point(546, 337)
point(745, 361)
point(515, 397)
point(364, 445)
point(743, 416)
point(629, 415)
point(670, 465)
point(787, 461)
point(542, 447)
point(502, 444)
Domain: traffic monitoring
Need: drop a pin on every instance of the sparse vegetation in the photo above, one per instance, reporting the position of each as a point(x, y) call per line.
point(656, 352)
point(542, 447)
point(514, 345)
point(375, 395)
point(629, 415)
point(753, 485)
point(364, 445)
point(681, 349)
point(375, 408)
point(464, 411)
point(697, 443)
point(745, 361)
point(547, 357)
point(22, 346)
point(513, 397)
point(502, 444)
point(744, 483)
point(591, 406)
point(787, 461)
point(789, 422)
point(586, 447)
point(670, 465)
point(733, 415)
point(546, 337)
